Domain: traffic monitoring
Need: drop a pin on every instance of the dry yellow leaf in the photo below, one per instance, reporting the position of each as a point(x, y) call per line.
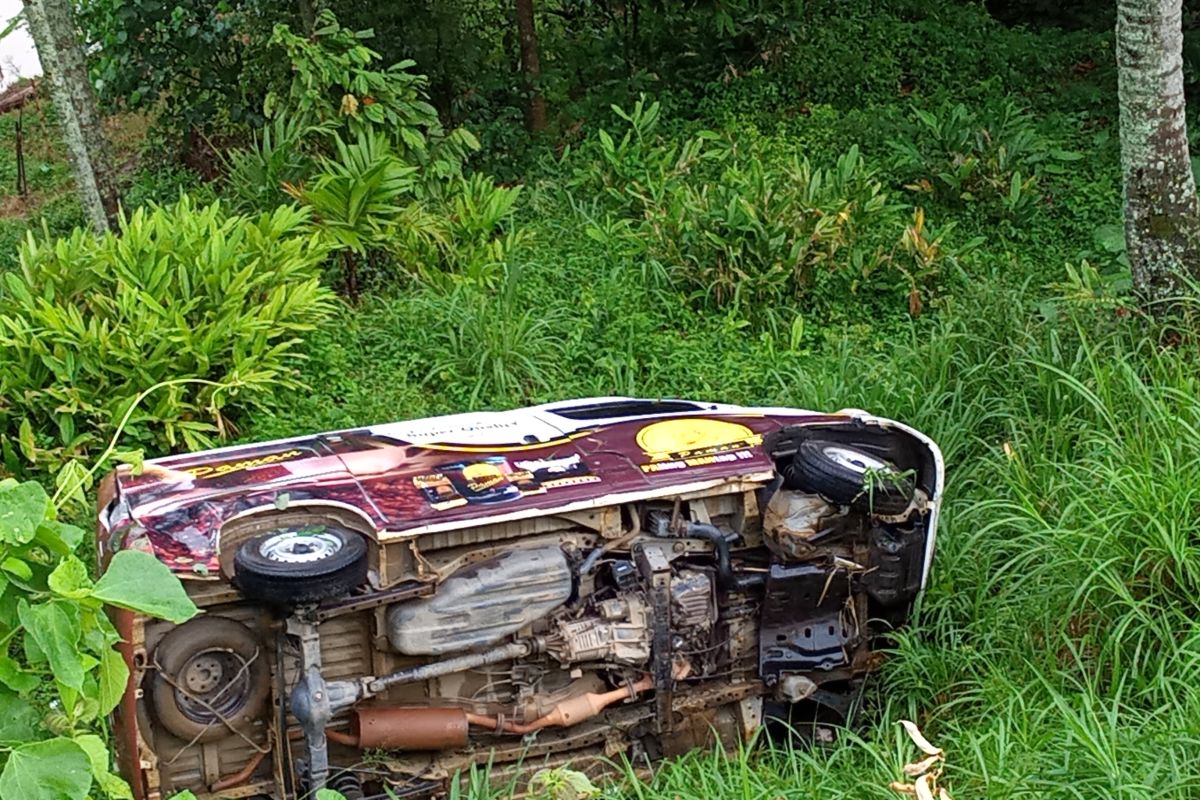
point(922, 766)
point(919, 739)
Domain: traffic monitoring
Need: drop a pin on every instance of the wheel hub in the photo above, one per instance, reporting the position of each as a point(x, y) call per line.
point(203, 674)
point(298, 547)
point(855, 459)
point(213, 684)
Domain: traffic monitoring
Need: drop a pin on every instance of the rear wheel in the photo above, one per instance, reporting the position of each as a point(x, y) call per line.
point(849, 475)
point(211, 676)
point(299, 565)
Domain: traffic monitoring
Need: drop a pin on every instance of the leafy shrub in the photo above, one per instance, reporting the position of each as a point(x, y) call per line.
point(367, 201)
point(363, 149)
point(200, 65)
point(758, 235)
point(280, 155)
point(338, 85)
point(876, 52)
point(959, 155)
point(164, 184)
point(359, 199)
point(480, 235)
point(635, 169)
point(59, 673)
point(183, 292)
point(338, 93)
point(335, 78)
point(733, 224)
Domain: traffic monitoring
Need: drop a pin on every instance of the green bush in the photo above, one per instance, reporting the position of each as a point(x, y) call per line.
point(257, 176)
point(87, 323)
point(362, 148)
point(480, 235)
point(759, 236)
point(361, 200)
point(338, 87)
point(961, 155)
point(199, 65)
point(59, 673)
point(367, 201)
point(335, 78)
point(728, 220)
point(489, 347)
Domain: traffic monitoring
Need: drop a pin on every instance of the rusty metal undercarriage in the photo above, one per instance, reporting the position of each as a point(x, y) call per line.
point(640, 630)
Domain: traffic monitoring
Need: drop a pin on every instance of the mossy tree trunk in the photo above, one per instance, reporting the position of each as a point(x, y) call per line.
point(1162, 216)
point(531, 67)
point(52, 26)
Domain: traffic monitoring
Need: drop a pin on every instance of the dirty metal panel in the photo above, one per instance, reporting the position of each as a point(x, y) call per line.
point(804, 624)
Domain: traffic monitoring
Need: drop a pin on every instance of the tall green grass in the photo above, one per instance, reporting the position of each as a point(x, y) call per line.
point(1056, 653)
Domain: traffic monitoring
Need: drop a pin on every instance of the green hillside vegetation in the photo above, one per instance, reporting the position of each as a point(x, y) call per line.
point(911, 209)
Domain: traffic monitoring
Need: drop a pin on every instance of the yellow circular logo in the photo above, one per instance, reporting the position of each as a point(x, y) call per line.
point(674, 438)
point(482, 476)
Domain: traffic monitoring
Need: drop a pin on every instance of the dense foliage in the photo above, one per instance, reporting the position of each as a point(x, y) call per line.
point(204, 61)
point(59, 674)
point(902, 206)
point(87, 323)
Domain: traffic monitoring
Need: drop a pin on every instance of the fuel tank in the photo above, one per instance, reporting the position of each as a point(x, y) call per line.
point(482, 603)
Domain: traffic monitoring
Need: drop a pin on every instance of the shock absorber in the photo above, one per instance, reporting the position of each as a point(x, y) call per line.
point(348, 784)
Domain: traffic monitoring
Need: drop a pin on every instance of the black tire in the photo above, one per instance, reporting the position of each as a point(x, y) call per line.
point(300, 565)
point(209, 668)
point(839, 473)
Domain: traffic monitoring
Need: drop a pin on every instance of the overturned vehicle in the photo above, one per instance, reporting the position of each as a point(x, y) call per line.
point(563, 583)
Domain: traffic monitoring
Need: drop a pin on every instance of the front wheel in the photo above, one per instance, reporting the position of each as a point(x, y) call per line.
point(300, 565)
point(848, 475)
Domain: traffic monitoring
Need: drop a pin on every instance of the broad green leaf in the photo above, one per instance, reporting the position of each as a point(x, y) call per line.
point(18, 720)
point(12, 676)
point(55, 629)
point(59, 538)
point(23, 506)
point(564, 784)
point(70, 579)
point(25, 441)
point(134, 458)
point(33, 653)
point(73, 481)
point(98, 756)
point(1111, 238)
point(55, 769)
point(329, 794)
point(113, 677)
point(17, 568)
point(140, 582)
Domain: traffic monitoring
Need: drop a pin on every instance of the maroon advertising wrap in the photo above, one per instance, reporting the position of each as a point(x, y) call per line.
point(409, 477)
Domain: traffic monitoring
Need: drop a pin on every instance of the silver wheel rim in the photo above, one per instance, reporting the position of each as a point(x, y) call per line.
point(855, 460)
point(291, 547)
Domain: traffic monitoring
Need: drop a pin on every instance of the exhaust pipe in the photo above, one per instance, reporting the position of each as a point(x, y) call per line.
point(391, 728)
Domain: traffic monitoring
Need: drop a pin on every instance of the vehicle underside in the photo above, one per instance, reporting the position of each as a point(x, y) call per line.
point(637, 629)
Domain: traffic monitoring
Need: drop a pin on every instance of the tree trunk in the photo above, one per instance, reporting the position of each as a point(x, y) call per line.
point(308, 15)
point(1162, 216)
point(531, 67)
point(52, 26)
